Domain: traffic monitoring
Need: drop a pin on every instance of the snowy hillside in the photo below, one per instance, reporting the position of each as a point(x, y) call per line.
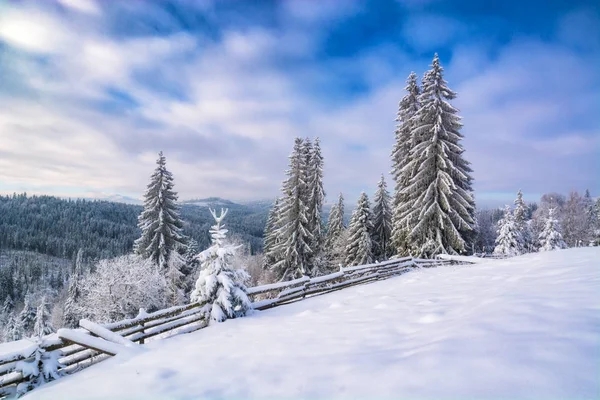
point(518, 328)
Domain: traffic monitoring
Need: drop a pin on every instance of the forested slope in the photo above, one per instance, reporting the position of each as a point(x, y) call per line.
point(59, 227)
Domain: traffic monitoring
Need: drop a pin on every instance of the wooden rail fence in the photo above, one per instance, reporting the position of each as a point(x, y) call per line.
point(55, 355)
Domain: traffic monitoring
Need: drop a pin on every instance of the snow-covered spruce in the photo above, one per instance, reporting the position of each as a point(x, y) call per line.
point(382, 222)
point(359, 248)
point(24, 321)
point(6, 318)
point(508, 240)
point(271, 238)
point(219, 287)
point(407, 109)
point(576, 224)
point(294, 251)
point(315, 199)
point(550, 238)
point(71, 315)
point(43, 325)
point(439, 208)
point(335, 240)
point(335, 222)
point(175, 279)
point(159, 222)
point(161, 226)
point(520, 219)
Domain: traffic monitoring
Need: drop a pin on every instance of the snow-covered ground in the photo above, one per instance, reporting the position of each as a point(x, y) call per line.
point(521, 328)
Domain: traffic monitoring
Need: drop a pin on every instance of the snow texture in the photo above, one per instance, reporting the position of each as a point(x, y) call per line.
point(17, 349)
point(105, 333)
point(86, 340)
point(518, 328)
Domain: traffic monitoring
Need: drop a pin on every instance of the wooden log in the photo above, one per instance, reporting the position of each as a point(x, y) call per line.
point(105, 333)
point(159, 330)
point(13, 378)
point(89, 341)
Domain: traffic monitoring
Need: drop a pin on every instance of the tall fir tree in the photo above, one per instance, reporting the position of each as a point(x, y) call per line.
point(220, 287)
point(294, 248)
point(191, 266)
point(335, 222)
point(407, 109)
point(508, 239)
point(160, 222)
point(335, 239)
point(520, 220)
point(382, 221)
point(359, 248)
point(315, 199)
point(551, 238)
point(71, 314)
point(43, 325)
point(440, 208)
point(271, 239)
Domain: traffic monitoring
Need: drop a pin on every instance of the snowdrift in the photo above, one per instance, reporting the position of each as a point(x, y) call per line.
point(520, 328)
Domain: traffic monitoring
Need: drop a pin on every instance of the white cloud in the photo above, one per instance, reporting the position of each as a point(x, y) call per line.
point(32, 30)
point(85, 6)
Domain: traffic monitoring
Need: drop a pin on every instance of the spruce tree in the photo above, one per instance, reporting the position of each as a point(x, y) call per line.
point(335, 222)
point(508, 240)
point(175, 279)
point(596, 223)
point(13, 330)
point(42, 326)
point(270, 235)
point(294, 248)
point(25, 320)
point(71, 315)
point(219, 287)
point(315, 199)
point(159, 222)
point(382, 222)
point(407, 109)
point(8, 306)
point(440, 208)
point(550, 238)
point(5, 317)
point(336, 238)
point(359, 248)
point(520, 220)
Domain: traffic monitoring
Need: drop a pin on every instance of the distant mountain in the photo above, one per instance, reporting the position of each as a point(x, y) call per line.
point(115, 198)
point(210, 202)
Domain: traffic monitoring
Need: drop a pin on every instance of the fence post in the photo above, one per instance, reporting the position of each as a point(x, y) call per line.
point(142, 313)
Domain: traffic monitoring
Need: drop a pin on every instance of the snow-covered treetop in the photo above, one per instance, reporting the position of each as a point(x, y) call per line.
point(218, 232)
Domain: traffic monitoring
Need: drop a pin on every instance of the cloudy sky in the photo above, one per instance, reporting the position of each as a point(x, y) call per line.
point(90, 91)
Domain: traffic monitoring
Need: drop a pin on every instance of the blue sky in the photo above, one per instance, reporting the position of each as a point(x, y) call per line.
point(90, 91)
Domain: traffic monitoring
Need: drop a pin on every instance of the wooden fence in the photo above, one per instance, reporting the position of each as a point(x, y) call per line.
point(53, 356)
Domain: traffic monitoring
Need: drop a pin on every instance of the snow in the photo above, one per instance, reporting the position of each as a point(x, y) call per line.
point(17, 349)
point(84, 339)
point(519, 328)
point(105, 333)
